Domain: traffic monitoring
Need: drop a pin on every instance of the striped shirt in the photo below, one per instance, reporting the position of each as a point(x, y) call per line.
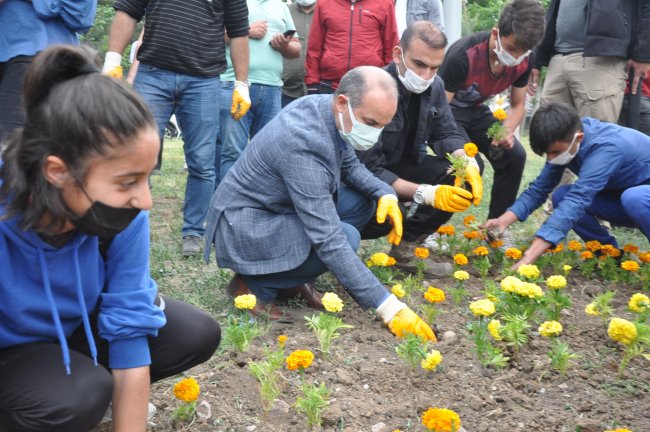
point(187, 36)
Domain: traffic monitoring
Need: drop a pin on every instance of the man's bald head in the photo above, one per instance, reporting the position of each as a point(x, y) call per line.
point(361, 80)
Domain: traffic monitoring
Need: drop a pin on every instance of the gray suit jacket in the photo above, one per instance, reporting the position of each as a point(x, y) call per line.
point(278, 200)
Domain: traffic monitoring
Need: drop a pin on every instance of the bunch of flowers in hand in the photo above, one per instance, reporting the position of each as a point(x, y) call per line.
point(187, 391)
point(326, 325)
point(498, 132)
point(441, 420)
point(460, 163)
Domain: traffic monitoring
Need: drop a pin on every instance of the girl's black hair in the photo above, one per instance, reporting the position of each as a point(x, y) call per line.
point(73, 112)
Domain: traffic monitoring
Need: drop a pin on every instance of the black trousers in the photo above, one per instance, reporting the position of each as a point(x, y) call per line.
point(508, 169)
point(37, 395)
point(12, 74)
point(426, 220)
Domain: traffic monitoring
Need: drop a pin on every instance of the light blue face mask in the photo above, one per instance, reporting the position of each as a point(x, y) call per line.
point(361, 137)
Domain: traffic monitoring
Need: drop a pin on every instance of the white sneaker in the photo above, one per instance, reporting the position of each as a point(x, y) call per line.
point(108, 415)
point(436, 243)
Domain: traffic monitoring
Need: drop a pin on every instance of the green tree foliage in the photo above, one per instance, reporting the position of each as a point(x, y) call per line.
point(479, 15)
point(97, 36)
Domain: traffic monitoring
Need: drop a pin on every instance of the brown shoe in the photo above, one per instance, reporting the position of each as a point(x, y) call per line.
point(270, 312)
point(308, 292)
point(237, 287)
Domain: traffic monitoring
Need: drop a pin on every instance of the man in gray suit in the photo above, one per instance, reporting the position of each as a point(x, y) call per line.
point(282, 215)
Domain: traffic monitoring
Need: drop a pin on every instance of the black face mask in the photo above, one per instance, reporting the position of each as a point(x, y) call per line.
point(105, 221)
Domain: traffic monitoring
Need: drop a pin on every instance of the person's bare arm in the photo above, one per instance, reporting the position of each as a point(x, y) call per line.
point(121, 32)
point(289, 47)
point(239, 54)
point(130, 399)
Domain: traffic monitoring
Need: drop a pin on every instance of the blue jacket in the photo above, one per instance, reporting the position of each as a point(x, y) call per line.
point(278, 200)
point(47, 292)
point(27, 27)
point(610, 157)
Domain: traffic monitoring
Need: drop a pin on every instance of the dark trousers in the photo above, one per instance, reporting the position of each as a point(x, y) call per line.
point(426, 220)
point(12, 74)
point(508, 168)
point(37, 395)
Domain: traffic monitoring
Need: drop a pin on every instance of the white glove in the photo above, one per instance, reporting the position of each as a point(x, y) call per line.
point(111, 61)
point(389, 308)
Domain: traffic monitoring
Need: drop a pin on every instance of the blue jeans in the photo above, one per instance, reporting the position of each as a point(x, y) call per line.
point(354, 210)
point(265, 104)
point(195, 101)
point(629, 208)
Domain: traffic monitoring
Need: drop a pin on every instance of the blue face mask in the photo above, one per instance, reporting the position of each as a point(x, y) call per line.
point(361, 137)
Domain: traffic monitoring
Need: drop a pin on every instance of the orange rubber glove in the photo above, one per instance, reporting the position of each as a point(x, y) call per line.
point(447, 198)
point(388, 206)
point(241, 101)
point(402, 320)
point(473, 177)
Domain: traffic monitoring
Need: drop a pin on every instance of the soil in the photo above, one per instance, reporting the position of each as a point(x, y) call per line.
point(372, 389)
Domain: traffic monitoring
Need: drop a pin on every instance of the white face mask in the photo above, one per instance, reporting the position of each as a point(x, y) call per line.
point(412, 81)
point(505, 58)
point(565, 157)
point(305, 3)
point(361, 137)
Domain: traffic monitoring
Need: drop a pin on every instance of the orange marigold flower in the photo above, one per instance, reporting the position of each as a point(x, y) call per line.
point(187, 390)
point(500, 114)
point(441, 420)
point(593, 245)
point(481, 251)
point(586, 255)
point(631, 266)
point(421, 252)
point(447, 230)
point(644, 257)
point(469, 219)
point(630, 248)
point(513, 253)
point(574, 245)
point(299, 359)
point(496, 244)
point(391, 261)
point(434, 295)
point(610, 250)
point(472, 235)
point(460, 259)
point(559, 248)
point(470, 149)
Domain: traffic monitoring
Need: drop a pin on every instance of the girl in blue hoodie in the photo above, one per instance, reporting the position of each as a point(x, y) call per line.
point(81, 323)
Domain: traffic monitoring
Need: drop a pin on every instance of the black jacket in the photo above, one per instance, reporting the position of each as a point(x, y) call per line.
point(436, 129)
point(615, 28)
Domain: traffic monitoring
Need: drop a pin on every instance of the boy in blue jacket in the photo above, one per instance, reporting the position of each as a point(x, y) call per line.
point(613, 168)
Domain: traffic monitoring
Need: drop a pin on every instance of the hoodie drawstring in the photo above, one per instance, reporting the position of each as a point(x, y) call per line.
point(84, 311)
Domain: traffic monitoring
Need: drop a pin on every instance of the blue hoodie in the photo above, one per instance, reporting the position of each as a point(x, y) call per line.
point(47, 292)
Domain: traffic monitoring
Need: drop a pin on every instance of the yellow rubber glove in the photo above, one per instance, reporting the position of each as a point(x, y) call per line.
point(387, 205)
point(241, 101)
point(112, 65)
point(447, 198)
point(406, 321)
point(473, 177)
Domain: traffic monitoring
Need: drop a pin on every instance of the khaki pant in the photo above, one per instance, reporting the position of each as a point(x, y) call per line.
point(593, 85)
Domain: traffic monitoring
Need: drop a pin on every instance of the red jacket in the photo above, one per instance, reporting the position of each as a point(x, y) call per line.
point(345, 35)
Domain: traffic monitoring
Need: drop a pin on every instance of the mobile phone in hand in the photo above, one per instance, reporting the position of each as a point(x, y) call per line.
point(289, 33)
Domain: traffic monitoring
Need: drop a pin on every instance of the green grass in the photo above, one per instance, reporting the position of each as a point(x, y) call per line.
point(202, 284)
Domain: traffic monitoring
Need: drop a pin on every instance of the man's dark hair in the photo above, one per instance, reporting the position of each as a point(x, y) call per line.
point(525, 19)
point(427, 32)
point(551, 123)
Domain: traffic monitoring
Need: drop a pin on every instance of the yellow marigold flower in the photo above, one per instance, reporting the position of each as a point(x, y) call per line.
point(493, 327)
point(530, 290)
point(421, 252)
point(332, 302)
point(398, 290)
point(567, 268)
point(441, 420)
point(639, 303)
point(550, 328)
point(391, 261)
point(630, 248)
point(529, 271)
point(513, 253)
point(299, 359)
point(610, 250)
point(468, 220)
point(644, 257)
point(472, 235)
point(461, 275)
point(509, 284)
point(483, 307)
point(618, 430)
point(379, 259)
point(574, 245)
point(557, 249)
point(447, 230)
point(187, 390)
point(592, 309)
point(586, 255)
point(116, 72)
point(460, 259)
point(245, 301)
point(494, 299)
point(631, 266)
point(593, 245)
point(470, 149)
point(556, 282)
point(622, 331)
point(496, 244)
point(282, 339)
point(432, 360)
point(500, 114)
point(481, 251)
point(434, 295)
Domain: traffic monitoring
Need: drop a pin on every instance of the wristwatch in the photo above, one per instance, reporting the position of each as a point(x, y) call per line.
point(418, 198)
